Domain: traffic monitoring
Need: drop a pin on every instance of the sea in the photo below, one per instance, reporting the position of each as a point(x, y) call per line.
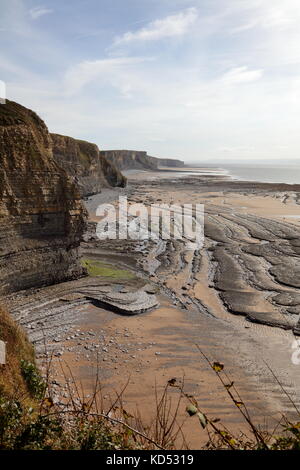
point(265, 173)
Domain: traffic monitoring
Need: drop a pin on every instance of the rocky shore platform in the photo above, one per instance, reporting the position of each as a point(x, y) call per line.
point(250, 262)
point(237, 298)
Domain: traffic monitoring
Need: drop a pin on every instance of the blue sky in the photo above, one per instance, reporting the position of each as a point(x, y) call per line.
point(195, 79)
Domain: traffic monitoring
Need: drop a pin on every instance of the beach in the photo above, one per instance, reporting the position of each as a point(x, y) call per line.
point(236, 299)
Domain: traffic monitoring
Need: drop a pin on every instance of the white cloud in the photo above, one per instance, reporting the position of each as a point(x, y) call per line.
point(276, 15)
point(241, 75)
point(108, 71)
point(173, 25)
point(222, 97)
point(39, 11)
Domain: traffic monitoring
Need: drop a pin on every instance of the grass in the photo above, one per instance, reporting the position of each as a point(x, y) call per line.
point(99, 268)
point(18, 348)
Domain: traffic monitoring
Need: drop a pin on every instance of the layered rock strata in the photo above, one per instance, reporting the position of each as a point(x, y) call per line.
point(124, 302)
point(138, 160)
point(86, 164)
point(41, 216)
point(130, 159)
point(168, 162)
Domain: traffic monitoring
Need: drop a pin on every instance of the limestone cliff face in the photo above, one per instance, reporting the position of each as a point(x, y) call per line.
point(168, 162)
point(138, 160)
point(41, 215)
point(86, 164)
point(129, 159)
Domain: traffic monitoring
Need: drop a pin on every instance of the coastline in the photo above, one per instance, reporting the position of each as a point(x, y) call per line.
point(153, 347)
point(261, 172)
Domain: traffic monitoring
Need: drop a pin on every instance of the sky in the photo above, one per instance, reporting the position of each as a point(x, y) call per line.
point(214, 80)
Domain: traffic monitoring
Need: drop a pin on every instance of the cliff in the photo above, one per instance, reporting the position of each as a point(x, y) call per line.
point(138, 160)
point(86, 164)
point(129, 159)
point(41, 216)
point(168, 162)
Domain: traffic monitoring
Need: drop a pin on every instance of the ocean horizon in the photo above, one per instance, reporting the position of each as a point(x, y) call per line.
point(264, 173)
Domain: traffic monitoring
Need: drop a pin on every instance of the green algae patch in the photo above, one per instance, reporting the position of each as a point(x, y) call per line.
point(100, 268)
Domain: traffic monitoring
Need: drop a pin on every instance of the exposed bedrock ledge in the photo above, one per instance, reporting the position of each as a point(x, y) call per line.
point(86, 164)
point(42, 219)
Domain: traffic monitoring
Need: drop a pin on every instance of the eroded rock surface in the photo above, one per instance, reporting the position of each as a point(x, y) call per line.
point(126, 303)
point(129, 159)
point(138, 160)
point(250, 262)
point(86, 164)
point(168, 162)
point(52, 312)
point(41, 215)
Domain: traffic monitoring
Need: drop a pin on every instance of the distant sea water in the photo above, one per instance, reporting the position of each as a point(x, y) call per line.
point(273, 173)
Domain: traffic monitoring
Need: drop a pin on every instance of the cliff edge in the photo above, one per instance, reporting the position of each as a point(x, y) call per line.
point(129, 159)
point(41, 216)
point(168, 162)
point(138, 160)
point(85, 163)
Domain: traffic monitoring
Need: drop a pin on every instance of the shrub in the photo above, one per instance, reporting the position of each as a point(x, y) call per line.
point(35, 384)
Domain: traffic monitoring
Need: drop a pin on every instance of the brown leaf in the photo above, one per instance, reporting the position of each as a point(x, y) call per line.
point(48, 402)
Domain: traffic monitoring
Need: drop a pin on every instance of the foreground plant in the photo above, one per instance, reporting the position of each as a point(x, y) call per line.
point(38, 422)
point(286, 435)
point(35, 421)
